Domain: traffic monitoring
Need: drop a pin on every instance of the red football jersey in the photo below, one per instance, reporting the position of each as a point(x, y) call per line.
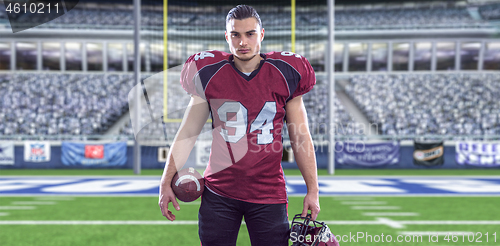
point(247, 117)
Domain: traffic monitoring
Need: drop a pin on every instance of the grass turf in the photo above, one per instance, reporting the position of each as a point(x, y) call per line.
point(146, 209)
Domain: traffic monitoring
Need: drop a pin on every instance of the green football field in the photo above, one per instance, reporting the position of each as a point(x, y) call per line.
point(358, 220)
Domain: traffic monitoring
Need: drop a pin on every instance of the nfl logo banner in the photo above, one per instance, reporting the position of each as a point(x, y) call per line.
point(428, 153)
point(36, 151)
point(6, 154)
point(367, 154)
point(95, 155)
point(478, 154)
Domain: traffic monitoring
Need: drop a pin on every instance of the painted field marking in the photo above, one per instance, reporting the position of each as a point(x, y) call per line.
point(391, 214)
point(98, 222)
point(380, 221)
point(33, 203)
point(104, 186)
point(365, 203)
point(375, 207)
point(452, 222)
point(439, 233)
point(354, 198)
point(54, 198)
point(17, 207)
point(4, 214)
point(328, 186)
point(391, 223)
point(12, 184)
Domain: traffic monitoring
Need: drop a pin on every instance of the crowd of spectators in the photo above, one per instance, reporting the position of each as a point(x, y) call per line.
point(416, 104)
point(61, 104)
point(349, 18)
point(490, 11)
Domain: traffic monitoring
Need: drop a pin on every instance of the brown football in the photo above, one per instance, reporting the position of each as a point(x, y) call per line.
point(188, 184)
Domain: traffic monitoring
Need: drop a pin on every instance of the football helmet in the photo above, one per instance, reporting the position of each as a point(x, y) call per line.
point(305, 231)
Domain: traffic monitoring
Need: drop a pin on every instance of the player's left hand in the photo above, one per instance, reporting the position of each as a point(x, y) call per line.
point(311, 202)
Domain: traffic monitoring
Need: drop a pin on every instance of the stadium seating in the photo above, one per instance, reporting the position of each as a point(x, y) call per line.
point(403, 104)
point(490, 11)
point(425, 104)
point(405, 18)
point(316, 103)
point(61, 104)
point(345, 19)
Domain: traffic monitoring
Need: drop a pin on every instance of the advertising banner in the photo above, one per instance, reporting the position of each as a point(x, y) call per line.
point(36, 151)
point(478, 154)
point(6, 153)
point(95, 155)
point(428, 153)
point(367, 154)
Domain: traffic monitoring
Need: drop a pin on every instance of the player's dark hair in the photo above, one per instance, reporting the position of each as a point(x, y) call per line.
point(241, 12)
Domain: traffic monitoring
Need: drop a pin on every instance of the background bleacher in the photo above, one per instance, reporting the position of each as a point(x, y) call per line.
point(73, 102)
point(415, 15)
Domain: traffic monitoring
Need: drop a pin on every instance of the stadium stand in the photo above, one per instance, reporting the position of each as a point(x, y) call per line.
point(490, 11)
point(61, 104)
point(423, 104)
point(28, 103)
point(405, 18)
point(416, 17)
point(316, 103)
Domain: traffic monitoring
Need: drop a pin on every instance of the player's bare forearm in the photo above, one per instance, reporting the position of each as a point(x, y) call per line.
point(306, 161)
point(301, 142)
point(194, 118)
point(303, 149)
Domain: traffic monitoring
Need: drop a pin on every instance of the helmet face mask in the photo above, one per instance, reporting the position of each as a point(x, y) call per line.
point(305, 231)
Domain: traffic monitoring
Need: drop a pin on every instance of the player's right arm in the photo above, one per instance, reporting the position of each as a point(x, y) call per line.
point(195, 117)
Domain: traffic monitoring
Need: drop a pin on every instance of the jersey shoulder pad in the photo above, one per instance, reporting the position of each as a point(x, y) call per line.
point(209, 57)
point(190, 79)
point(295, 60)
point(305, 80)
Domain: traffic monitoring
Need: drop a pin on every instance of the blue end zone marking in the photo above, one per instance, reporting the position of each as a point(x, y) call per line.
point(148, 186)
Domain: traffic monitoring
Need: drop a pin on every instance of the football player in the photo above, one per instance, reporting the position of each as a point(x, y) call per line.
point(249, 95)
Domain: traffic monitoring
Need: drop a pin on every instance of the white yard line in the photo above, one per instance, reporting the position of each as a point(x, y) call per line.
point(397, 224)
point(4, 214)
point(452, 222)
point(391, 214)
point(356, 198)
point(400, 195)
point(33, 203)
point(380, 221)
point(98, 222)
point(375, 207)
point(17, 207)
point(432, 233)
point(390, 223)
point(365, 203)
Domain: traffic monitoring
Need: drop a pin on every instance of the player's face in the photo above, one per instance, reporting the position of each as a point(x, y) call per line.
point(244, 38)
